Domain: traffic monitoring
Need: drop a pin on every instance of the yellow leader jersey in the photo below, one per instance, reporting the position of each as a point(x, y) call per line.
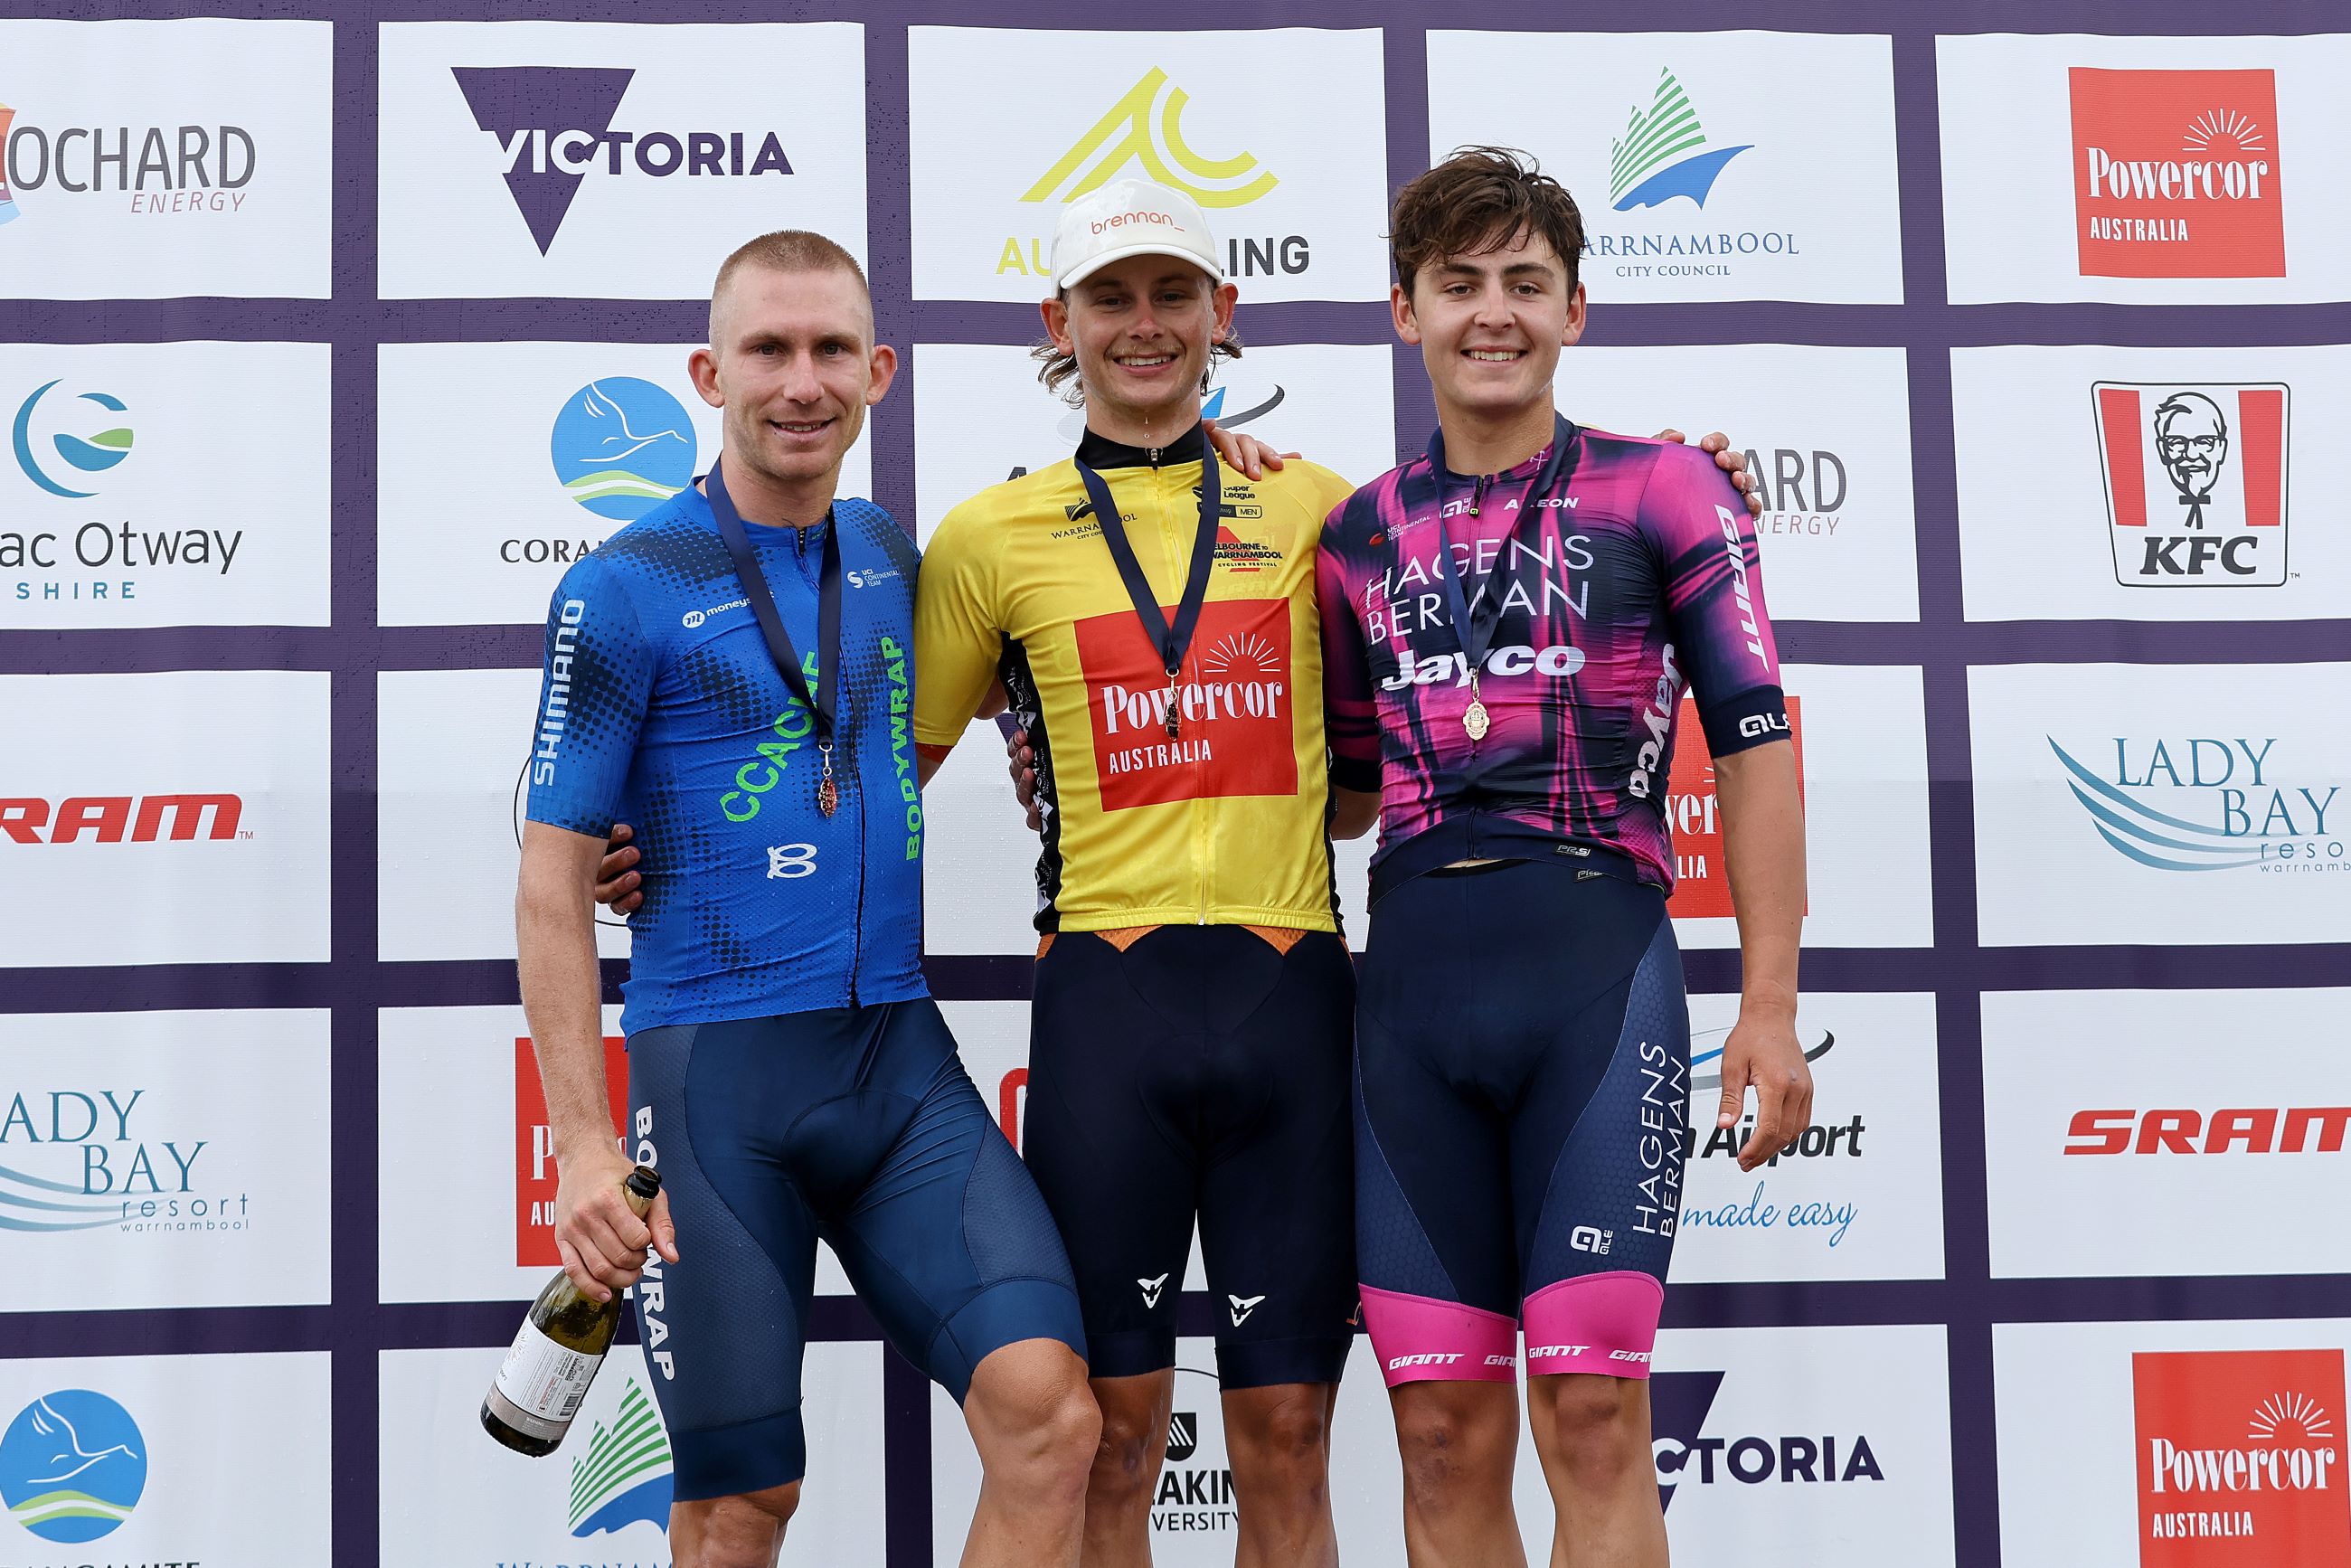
point(1223, 824)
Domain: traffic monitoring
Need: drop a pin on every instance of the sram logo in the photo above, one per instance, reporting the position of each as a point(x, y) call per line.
point(2252, 1130)
point(113, 819)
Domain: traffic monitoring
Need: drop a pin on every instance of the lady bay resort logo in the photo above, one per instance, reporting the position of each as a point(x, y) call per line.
point(2208, 803)
point(92, 1159)
point(621, 446)
point(57, 445)
point(73, 1465)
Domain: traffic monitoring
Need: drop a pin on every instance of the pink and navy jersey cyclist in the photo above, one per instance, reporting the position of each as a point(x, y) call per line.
point(1522, 1036)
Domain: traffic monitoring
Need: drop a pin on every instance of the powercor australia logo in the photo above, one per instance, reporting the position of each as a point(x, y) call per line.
point(2241, 1458)
point(553, 127)
point(2196, 482)
point(147, 169)
point(73, 1465)
point(535, 1172)
point(2225, 1130)
point(1823, 1150)
point(1143, 133)
point(1665, 155)
point(1679, 1403)
point(120, 818)
point(1693, 810)
point(109, 1157)
point(1233, 700)
point(2177, 173)
point(2208, 803)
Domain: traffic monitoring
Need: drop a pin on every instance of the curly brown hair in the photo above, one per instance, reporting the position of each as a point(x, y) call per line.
point(1477, 202)
point(1058, 368)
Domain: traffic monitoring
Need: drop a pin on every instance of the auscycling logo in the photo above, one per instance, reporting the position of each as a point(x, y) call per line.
point(553, 126)
point(2200, 803)
point(1664, 155)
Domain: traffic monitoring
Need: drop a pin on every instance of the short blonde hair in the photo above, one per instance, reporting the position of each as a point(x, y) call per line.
point(786, 250)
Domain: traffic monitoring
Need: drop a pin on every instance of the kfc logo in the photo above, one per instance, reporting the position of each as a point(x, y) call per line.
point(535, 1174)
point(1231, 731)
point(2196, 483)
point(2240, 1462)
point(1693, 818)
point(2177, 173)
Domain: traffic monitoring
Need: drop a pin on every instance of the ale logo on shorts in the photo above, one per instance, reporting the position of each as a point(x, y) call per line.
point(2241, 1458)
point(535, 1176)
point(1233, 695)
point(2196, 483)
point(2177, 173)
point(1144, 129)
point(1694, 816)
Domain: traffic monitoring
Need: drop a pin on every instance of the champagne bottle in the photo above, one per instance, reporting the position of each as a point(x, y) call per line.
point(557, 1352)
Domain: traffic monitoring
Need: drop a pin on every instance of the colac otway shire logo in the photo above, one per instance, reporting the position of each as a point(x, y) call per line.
point(98, 1158)
point(1665, 154)
point(152, 168)
point(1143, 134)
point(553, 127)
point(1679, 1404)
point(82, 451)
point(2241, 1458)
point(73, 1465)
point(2209, 803)
point(2196, 482)
point(2178, 174)
point(625, 1476)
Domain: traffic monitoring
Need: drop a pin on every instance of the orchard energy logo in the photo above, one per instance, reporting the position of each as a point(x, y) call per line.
point(2195, 477)
point(149, 168)
point(2250, 1129)
point(112, 818)
point(1803, 492)
point(1694, 815)
point(1234, 696)
point(2177, 173)
point(1679, 1403)
point(553, 125)
point(2241, 1458)
point(535, 1174)
point(2205, 804)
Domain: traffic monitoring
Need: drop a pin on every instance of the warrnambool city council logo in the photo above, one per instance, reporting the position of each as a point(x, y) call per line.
point(2196, 483)
point(621, 446)
point(73, 1465)
point(625, 1476)
point(58, 441)
point(1664, 153)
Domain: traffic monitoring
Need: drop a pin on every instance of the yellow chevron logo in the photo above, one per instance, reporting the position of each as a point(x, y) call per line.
point(1145, 127)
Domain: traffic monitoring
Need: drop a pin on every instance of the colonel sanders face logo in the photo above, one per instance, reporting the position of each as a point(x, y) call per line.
point(2192, 439)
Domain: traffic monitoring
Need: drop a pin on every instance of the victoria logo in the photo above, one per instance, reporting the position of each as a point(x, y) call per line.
point(1664, 153)
point(553, 127)
point(1679, 1404)
point(73, 1465)
point(2178, 174)
point(2196, 482)
point(1145, 128)
point(625, 1476)
point(81, 439)
point(2241, 1458)
point(621, 446)
point(2208, 803)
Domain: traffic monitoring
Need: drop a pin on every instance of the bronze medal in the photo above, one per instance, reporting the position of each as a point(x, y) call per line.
point(1475, 721)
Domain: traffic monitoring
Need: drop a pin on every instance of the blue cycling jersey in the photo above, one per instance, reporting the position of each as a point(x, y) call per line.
point(662, 707)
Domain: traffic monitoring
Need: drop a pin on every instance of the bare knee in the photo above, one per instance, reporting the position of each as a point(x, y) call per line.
point(1126, 1454)
point(1038, 1430)
point(741, 1532)
point(1453, 1448)
point(1287, 1435)
point(1595, 1428)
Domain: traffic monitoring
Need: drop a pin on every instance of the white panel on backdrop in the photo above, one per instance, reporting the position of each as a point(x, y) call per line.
point(610, 161)
point(1861, 1198)
point(2150, 483)
point(189, 1460)
point(165, 160)
point(138, 467)
point(1827, 431)
point(454, 1499)
point(2147, 170)
point(2124, 1136)
point(459, 1087)
point(1861, 739)
point(139, 1169)
point(1707, 165)
point(450, 745)
point(2085, 1412)
point(165, 819)
point(2170, 804)
point(1298, 197)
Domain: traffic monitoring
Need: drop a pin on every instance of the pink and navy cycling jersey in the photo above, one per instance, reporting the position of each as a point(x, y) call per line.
point(1632, 576)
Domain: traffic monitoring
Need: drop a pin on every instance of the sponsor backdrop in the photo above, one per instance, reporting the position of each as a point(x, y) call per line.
point(326, 343)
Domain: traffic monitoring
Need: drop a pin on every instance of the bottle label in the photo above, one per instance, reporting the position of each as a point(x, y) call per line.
point(544, 1379)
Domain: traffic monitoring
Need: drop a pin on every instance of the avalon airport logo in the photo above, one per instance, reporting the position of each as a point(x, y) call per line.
point(161, 170)
point(1830, 1219)
point(2195, 477)
point(1663, 156)
point(2200, 803)
point(553, 126)
point(2178, 174)
point(2241, 1458)
point(73, 1465)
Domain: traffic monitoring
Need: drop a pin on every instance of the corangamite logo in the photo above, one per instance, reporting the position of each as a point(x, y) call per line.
point(73, 1464)
point(1694, 818)
point(2177, 173)
point(2196, 483)
point(2241, 1458)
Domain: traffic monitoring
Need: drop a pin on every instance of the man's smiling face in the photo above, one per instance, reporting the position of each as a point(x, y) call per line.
point(1491, 324)
point(1141, 329)
point(795, 369)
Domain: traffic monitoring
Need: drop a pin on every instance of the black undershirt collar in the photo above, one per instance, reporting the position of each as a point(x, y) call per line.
point(1099, 451)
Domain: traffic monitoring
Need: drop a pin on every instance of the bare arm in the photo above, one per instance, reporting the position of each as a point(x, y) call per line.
point(601, 1243)
point(1357, 812)
point(1763, 842)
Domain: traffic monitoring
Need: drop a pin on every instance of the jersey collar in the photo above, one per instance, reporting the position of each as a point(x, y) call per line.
point(1099, 451)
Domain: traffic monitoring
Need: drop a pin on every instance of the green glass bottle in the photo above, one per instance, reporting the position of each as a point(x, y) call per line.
point(557, 1352)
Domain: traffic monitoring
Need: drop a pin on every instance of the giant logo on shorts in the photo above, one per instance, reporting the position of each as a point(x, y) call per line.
point(2176, 174)
point(1233, 695)
point(535, 1174)
point(2241, 1458)
point(2195, 476)
point(1694, 817)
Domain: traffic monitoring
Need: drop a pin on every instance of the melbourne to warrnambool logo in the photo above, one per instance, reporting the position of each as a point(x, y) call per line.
point(1142, 135)
point(148, 169)
point(73, 1465)
point(2196, 482)
point(1823, 1146)
point(2241, 1458)
point(2207, 803)
point(553, 130)
point(2178, 174)
point(106, 1157)
point(1666, 156)
point(1685, 1455)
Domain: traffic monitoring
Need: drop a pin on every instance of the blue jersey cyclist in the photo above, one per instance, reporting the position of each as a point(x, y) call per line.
point(731, 675)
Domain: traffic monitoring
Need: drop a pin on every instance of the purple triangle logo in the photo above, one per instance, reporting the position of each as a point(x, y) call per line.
point(1678, 1403)
point(511, 102)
